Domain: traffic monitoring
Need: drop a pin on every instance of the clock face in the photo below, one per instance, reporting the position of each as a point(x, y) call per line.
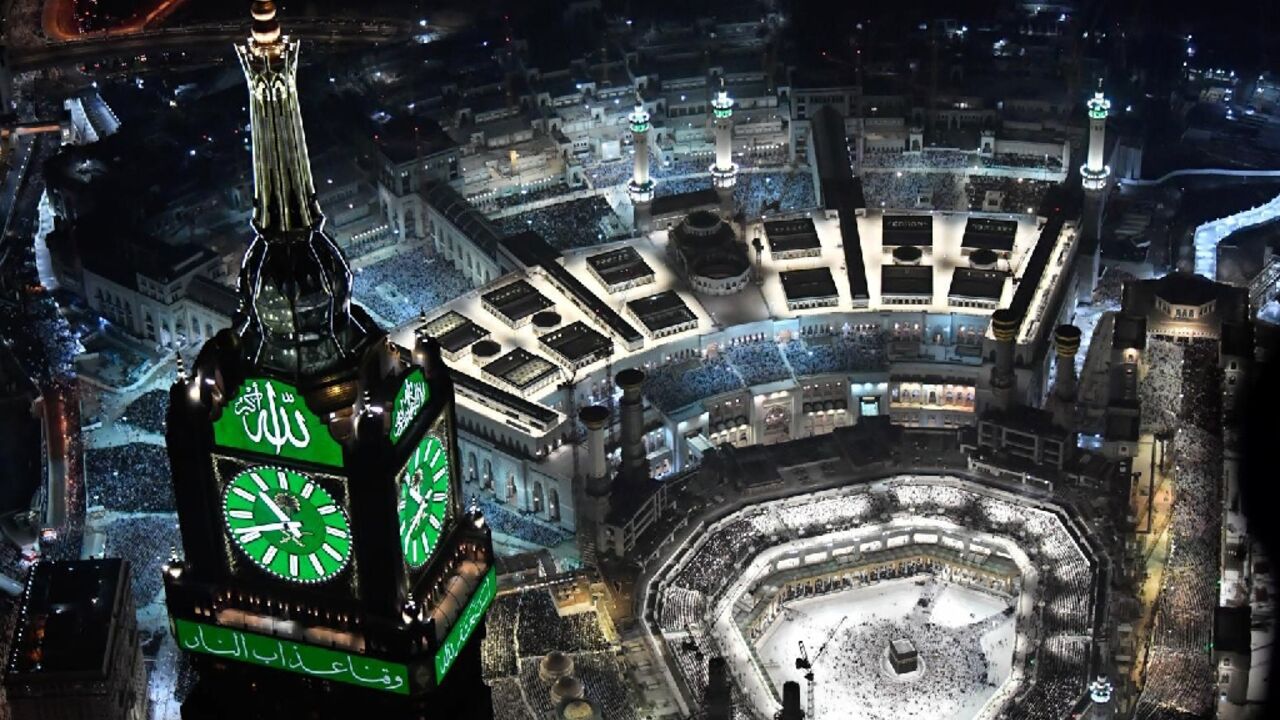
point(424, 500)
point(287, 524)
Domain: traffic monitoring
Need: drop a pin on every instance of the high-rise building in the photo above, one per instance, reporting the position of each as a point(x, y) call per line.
point(330, 568)
point(75, 652)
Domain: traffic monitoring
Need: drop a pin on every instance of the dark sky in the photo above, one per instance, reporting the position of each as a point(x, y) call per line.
point(1244, 33)
point(1240, 33)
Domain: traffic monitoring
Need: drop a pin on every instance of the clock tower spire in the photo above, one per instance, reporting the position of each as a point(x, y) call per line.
point(329, 567)
point(295, 286)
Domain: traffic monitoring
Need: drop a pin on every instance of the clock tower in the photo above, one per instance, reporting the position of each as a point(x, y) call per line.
point(329, 565)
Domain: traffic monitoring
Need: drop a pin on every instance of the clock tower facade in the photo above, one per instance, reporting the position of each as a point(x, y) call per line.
point(329, 565)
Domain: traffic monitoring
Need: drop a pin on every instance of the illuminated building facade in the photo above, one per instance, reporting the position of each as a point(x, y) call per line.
point(1184, 305)
point(329, 565)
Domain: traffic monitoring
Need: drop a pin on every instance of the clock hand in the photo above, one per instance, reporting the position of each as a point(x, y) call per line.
point(289, 524)
point(417, 518)
point(413, 493)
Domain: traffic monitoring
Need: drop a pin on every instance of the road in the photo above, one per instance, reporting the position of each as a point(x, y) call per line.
point(59, 23)
point(15, 171)
point(1151, 502)
point(62, 437)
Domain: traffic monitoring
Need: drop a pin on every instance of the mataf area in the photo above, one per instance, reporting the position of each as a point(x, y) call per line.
point(995, 593)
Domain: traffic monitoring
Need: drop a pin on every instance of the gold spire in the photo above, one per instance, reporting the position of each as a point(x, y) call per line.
point(266, 29)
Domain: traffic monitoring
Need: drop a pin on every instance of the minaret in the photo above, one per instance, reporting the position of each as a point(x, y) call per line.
point(635, 466)
point(595, 418)
point(1094, 173)
point(1093, 177)
point(724, 173)
point(718, 696)
point(641, 186)
point(591, 497)
point(1062, 403)
point(1100, 695)
point(791, 709)
point(1004, 325)
point(295, 285)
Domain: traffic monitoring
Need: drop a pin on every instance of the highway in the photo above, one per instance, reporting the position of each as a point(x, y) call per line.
point(328, 31)
point(15, 172)
point(60, 24)
point(20, 191)
point(63, 476)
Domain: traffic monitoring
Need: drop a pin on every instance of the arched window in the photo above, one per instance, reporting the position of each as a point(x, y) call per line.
point(553, 504)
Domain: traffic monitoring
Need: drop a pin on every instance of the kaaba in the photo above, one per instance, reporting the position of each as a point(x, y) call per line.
point(903, 656)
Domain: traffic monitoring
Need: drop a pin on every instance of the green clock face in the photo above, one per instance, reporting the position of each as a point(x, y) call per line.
point(287, 524)
point(424, 500)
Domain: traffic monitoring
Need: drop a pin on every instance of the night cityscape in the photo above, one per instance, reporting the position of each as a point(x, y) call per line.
point(607, 360)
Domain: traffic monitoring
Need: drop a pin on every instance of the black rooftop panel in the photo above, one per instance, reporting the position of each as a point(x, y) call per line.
point(454, 331)
point(989, 234)
point(517, 300)
point(973, 283)
point(907, 230)
point(521, 368)
point(619, 266)
point(906, 280)
point(577, 342)
point(808, 284)
point(791, 235)
point(502, 397)
point(661, 311)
